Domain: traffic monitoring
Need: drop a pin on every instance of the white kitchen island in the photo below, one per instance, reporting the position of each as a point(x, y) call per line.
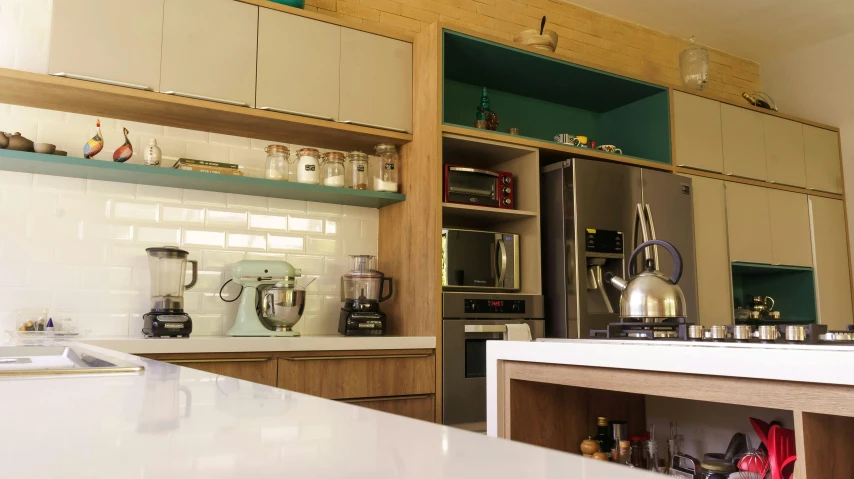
point(569, 382)
point(174, 422)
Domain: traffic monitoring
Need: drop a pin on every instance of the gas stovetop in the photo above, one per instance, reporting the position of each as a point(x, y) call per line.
point(812, 334)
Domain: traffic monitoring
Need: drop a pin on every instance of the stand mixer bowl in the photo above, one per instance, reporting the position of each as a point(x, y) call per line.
point(281, 307)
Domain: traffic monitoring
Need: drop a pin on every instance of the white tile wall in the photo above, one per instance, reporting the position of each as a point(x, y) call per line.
point(77, 246)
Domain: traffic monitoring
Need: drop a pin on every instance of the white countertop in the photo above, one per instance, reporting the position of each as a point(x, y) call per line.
point(228, 344)
point(174, 422)
point(825, 364)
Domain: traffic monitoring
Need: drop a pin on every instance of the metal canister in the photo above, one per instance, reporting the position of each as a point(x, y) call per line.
point(742, 333)
point(695, 332)
point(718, 333)
point(768, 333)
point(796, 334)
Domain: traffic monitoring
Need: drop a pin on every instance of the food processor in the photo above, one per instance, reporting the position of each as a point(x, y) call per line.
point(362, 292)
point(168, 268)
point(270, 303)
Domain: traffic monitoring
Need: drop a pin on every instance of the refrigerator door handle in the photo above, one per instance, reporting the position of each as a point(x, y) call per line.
point(652, 235)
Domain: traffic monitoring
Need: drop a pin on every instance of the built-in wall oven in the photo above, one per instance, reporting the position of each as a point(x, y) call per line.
point(469, 321)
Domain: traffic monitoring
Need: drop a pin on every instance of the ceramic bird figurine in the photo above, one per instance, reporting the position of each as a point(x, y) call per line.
point(124, 152)
point(94, 145)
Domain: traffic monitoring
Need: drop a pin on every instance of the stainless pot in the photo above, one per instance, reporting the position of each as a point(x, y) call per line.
point(651, 294)
point(281, 307)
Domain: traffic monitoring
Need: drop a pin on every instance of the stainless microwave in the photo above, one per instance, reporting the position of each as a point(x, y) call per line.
point(479, 260)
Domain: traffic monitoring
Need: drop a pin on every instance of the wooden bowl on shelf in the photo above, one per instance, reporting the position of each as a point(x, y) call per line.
point(532, 38)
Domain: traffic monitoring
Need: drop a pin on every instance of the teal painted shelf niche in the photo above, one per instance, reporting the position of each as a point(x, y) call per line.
point(792, 287)
point(543, 96)
point(161, 176)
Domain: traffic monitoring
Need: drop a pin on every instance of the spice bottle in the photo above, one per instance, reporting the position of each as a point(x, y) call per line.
point(308, 166)
point(278, 158)
point(358, 170)
point(332, 169)
point(153, 155)
point(385, 175)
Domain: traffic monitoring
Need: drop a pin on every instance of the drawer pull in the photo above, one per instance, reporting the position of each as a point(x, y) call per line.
point(385, 398)
point(102, 80)
point(234, 360)
point(206, 98)
point(371, 125)
point(331, 358)
point(298, 113)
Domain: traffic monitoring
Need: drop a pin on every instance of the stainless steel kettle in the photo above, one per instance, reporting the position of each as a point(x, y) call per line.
point(651, 294)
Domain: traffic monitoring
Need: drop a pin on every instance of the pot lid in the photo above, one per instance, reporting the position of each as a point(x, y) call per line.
point(167, 252)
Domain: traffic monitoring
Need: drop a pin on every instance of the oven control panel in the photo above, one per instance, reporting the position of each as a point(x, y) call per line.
point(494, 306)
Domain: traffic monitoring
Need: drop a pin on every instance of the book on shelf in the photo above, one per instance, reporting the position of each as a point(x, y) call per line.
point(215, 164)
point(210, 169)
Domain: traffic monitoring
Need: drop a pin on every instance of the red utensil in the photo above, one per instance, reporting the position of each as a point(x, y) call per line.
point(761, 427)
point(781, 452)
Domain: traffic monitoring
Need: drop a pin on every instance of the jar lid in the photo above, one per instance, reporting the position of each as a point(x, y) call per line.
point(277, 149)
point(602, 421)
point(309, 152)
point(385, 148)
point(334, 155)
point(625, 444)
point(357, 155)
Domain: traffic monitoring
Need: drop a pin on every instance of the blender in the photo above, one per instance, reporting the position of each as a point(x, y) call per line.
point(362, 292)
point(168, 268)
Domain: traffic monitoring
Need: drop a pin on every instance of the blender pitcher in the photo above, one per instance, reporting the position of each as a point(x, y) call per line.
point(168, 267)
point(362, 287)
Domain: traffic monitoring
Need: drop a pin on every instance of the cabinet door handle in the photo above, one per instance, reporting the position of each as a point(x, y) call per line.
point(385, 398)
point(206, 98)
point(332, 358)
point(102, 80)
point(299, 113)
point(371, 125)
point(224, 360)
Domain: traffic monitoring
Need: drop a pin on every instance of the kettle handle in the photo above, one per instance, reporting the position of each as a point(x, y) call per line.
point(677, 258)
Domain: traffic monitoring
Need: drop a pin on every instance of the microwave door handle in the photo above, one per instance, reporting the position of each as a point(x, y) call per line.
point(492, 264)
point(652, 235)
point(502, 269)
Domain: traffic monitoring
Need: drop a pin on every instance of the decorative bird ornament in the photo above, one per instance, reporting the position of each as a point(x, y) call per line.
point(94, 145)
point(124, 152)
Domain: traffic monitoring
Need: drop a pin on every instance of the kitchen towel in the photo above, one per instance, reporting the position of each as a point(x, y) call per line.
point(517, 332)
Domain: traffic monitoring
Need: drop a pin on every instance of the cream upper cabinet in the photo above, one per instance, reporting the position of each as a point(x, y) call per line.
point(697, 132)
point(790, 228)
point(209, 50)
point(821, 154)
point(784, 151)
point(710, 237)
point(833, 283)
point(295, 76)
point(108, 41)
point(376, 81)
point(748, 223)
point(743, 142)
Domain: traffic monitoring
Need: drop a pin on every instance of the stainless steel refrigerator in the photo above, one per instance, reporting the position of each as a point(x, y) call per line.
point(594, 214)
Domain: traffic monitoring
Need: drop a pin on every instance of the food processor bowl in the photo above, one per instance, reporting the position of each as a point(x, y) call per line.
point(281, 307)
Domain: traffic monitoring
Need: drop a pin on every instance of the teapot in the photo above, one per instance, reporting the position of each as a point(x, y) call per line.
point(651, 294)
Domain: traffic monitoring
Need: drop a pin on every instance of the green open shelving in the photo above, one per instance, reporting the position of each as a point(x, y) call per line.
point(792, 287)
point(161, 176)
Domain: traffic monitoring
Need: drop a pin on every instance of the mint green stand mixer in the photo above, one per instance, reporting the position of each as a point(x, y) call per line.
point(270, 303)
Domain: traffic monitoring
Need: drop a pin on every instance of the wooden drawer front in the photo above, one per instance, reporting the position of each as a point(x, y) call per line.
point(416, 407)
point(256, 370)
point(343, 377)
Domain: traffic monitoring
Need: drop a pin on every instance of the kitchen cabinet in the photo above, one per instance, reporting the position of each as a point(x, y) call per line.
point(96, 40)
point(748, 223)
point(743, 142)
point(821, 154)
point(790, 228)
point(710, 236)
point(697, 132)
point(209, 50)
point(830, 250)
point(376, 81)
point(261, 370)
point(417, 407)
point(294, 78)
point(784, 151)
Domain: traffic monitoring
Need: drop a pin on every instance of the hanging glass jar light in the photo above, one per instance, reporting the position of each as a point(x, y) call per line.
point(694, 66)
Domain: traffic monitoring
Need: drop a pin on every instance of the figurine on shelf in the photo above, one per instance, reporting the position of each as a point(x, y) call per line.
point(95, 144)
point(124, 152)
point(486, 119)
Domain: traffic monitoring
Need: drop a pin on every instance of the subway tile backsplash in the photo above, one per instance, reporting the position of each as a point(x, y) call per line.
point(77, 247)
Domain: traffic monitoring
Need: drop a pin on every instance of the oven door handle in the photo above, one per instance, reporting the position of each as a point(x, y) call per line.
point(473, 170)
point(486, 328)
point(502, 262)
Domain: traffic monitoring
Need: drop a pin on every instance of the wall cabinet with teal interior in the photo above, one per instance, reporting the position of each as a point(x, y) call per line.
point(792, 287)
point(543, 97)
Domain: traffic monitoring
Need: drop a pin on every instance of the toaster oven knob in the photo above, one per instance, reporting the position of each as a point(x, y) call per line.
point(506, 180)
point(506, 190)
point(507, 201)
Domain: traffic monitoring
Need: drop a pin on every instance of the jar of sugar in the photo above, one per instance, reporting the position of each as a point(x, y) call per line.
point(332, 169)
point(385, 174)
point(308, 166)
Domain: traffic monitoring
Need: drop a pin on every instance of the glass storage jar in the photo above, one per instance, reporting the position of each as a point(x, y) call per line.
point(332, 169)
point(278, 158)
point(308, 166)
point(385, 174)
point(358, 179)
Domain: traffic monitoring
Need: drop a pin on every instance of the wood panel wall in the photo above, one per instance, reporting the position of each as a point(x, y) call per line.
point(585, 35)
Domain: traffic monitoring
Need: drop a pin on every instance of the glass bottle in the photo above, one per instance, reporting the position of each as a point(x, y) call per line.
point(652, 456)
point(603, 436)
point(153, 154)
point(278, 158)
point(358, 179)
point(624, 454)
point(308, 167)
point(332, 169)
point(484, 106)
point(385, 174)
point(694, 66)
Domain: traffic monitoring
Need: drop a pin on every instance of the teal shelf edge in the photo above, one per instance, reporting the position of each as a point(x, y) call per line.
point(53, 165)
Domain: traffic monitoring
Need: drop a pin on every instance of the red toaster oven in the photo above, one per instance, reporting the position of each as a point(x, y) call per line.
point(475, 186)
